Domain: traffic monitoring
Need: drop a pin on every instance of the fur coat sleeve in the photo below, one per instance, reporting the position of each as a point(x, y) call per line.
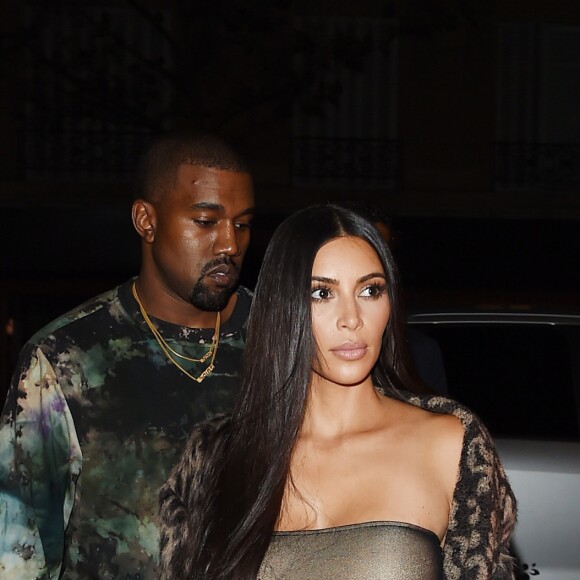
point(483, 513)
point(183, 499)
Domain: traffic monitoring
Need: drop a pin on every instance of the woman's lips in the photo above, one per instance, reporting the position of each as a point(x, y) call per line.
point(350, 350)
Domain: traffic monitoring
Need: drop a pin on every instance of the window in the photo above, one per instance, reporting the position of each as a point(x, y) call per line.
point(95, 81)
point(344, 130)
point(538, 107)
point(518, 378)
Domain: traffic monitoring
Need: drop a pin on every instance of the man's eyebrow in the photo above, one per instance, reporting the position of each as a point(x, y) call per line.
point(207, 205)
point(219, 207)
point(248, 211)
point(359, 281)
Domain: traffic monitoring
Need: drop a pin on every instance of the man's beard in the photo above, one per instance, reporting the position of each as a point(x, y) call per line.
point(212, 300)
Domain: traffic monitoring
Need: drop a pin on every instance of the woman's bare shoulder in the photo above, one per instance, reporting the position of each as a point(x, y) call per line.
point(437, 437)
point(438, 430)
point(426, 418)
point(445, 434)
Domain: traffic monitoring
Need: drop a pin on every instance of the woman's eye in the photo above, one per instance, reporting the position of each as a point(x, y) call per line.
point(320, 294)
point(373, 291)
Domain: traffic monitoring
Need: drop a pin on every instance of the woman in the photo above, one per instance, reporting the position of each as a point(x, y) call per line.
point(329, 466)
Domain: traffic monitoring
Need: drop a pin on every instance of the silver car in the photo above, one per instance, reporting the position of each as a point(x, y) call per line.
point(520, 372)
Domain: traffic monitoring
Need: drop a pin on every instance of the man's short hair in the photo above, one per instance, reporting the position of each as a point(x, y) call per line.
point(157, 170)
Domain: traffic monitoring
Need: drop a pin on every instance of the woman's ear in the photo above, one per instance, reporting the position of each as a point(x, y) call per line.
point(144, 219)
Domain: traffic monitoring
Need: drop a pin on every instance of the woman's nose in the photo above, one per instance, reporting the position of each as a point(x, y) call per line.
point(349, 316)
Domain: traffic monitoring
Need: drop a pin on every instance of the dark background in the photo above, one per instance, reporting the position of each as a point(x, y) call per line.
point(460, 118)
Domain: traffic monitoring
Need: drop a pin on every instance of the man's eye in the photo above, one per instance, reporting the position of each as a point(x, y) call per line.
point(204, 223)
point(243, 226)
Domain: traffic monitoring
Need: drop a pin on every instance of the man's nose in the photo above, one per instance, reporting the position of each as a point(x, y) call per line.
point(226, 241)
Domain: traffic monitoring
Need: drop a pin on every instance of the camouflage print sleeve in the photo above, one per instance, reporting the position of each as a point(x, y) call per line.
point(40, 462)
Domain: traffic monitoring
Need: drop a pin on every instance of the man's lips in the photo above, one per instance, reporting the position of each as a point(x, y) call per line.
point(222, 275)
point(350, 350)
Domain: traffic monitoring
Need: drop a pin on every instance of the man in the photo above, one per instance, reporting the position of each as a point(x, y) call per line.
point(104, 398)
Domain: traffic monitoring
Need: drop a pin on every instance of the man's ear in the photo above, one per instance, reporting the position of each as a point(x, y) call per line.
point(144, 219)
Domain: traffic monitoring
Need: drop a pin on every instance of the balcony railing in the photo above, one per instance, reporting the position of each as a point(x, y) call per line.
point(78, 155)
point(537, 167)
point(346, 163)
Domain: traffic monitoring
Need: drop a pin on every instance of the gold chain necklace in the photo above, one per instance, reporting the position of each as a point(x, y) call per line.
point(168, 350)
point(162, 341)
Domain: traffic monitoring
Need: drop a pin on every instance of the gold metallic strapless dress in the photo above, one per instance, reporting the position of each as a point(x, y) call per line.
point(366, 551)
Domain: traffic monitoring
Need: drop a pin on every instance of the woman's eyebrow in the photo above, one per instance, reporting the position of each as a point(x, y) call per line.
point(359, 281)
point(323, 279)
point(372, 275)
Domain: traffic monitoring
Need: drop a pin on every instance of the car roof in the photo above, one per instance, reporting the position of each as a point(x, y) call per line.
point(448, 316)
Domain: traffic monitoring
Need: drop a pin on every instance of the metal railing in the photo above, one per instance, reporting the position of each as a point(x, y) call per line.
point(537, 167)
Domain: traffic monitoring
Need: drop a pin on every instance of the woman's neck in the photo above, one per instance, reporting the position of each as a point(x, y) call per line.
point(335, 411)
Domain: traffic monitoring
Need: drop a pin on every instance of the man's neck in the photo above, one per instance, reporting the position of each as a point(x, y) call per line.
point(162, 305)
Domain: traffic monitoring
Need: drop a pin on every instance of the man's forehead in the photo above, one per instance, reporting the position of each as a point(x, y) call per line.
point(196, 171)
point(208, 184)
point(201, 189)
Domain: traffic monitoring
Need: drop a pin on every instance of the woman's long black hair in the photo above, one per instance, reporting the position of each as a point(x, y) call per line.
point(254, 468)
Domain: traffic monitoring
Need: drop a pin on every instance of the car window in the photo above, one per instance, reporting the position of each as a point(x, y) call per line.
point(518, 378)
